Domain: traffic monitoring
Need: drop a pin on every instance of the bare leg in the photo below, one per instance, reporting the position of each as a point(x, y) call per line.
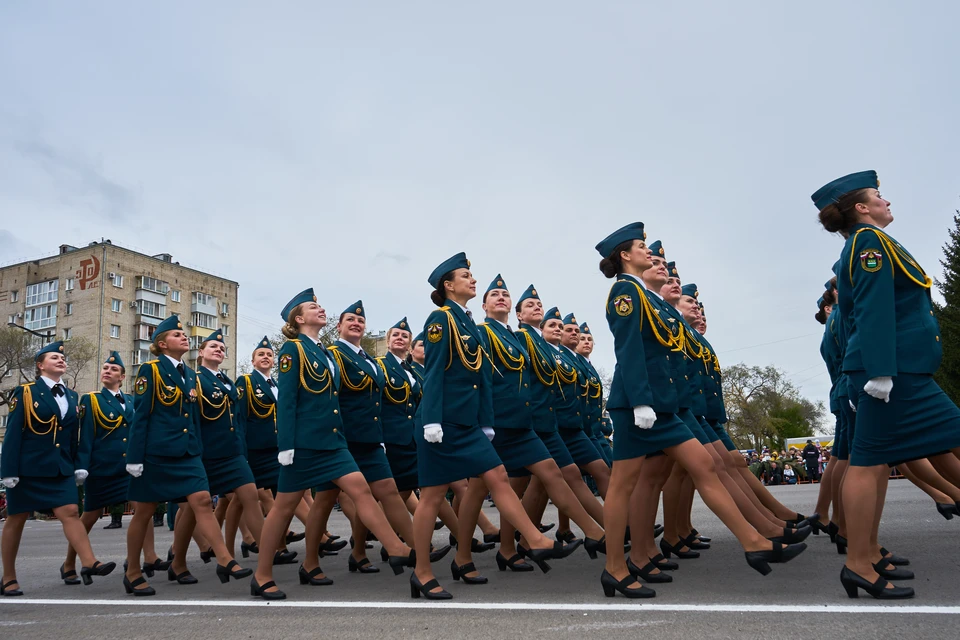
point(860, 491)
point(89, 518)
point(246, 496)
point(601, 476)
point(231, 522)
point(773, 505)
point(316, 526)
point(508, 546)
point(567, 502)
point(623, 482)
point(10, 545)
point(470, 507)
point(948, 465)
point(183, 529)
point(839, 472)
point(925, 476)
point(274, 530)
point(825, 495)
point(673, 503)
point(385, 492)
point(423, 521)
point(136, 534)
point(644, 503)
point(69, 517)
point(571, 473)
point(208, 526)
point(731, 475)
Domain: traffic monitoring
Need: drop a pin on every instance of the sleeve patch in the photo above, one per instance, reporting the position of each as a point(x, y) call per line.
point(435, 332)
point(141, 386)
point(623, 305)
point(13, 404)
point(871, 260)
point(286, 361)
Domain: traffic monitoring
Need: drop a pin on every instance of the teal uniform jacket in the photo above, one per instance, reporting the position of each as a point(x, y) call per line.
point(452, 392)
point(606, 427)
point(257, 412)
point(400, 401)
point(643, 375)
point(567, 401)
point(892, 326)
point(593, 400)
point(166, 418)
point(418, 370)
point(38, 442)
point(511, 376)
point(360, 383)
point(218, 426)
point(308, 416)
point(833, 358)
point(543, 379)
point(104, 431)
point(679, 362)
point(712, 388)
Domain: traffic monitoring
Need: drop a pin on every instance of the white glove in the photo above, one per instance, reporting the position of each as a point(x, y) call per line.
point(136, 470)
point(880, 388)
point(9, 483)
point(433, 433)
point(644, 416)
point(286, 457)
point(852, 406)
point(489, 432)
point(80, 475)
point(383, 446)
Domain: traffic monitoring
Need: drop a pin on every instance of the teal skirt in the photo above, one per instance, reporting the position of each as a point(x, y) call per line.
point(100, 492)
point(720, 431)
point(841, 447)
point(226, 474)
point(698, 430)
point(603, 448)
point(371, 459)
point(168, 479)
point(265, 467)
point(403, 465)
point(518, 449)
point(33, 493)
point(465, 452)
point(918, 422)
point(578, 444)
point(313, 468)
point(630, 441)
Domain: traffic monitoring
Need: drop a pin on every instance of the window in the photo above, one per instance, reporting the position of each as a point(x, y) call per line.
point(175, 296)
point(205, 320)
point(226, 329)
point(117, 280)
point(116, 306)
point(224, 309)
point(67, 334)
point(140, 356)
point(202, 298)
point(152, 309)
point(42, 293)
point(68, 286)
point(195, 342)
point(11, 318)
point(40, 317)
point(114, 331)
point(152, 284)
point(68, 309)
point(14, 295)
point(145, 331)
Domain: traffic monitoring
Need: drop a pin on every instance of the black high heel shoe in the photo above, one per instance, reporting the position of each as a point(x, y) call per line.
point(832, 531)
point(332, 546)
point(658, 531)
point(947, 510)
point(593, 547)
point(69, 577)
point(644, 572)
point(361, 566)
point(663, 564)
point(893, 558)
point(540, 556)
point(566, 537)
point(247, 549)
point(438, 554)
point(131, 587)
point(512, 562)
point(311, 577)
point(98, 569)
point(460, 573)
point(888, 571)
point(691, 542)
point(417, 589)
point(226, 572)
point(759, 560)
point(181, 578)
point(5, 589)
point(149, 568)
point(611, 585)
point(295, 537)
point(170, 554)
point(207, 555)
point(546, 527)
point(397, 563)
point(793, 536)
point(802, 520)
point(438, 525)
point(284, 557)
point(696, 533)
point(841, 544)
point(492, 537)
point(819, 527)
point(261, 590)
point(667, 549)
point(852, 582)
point(353, 543)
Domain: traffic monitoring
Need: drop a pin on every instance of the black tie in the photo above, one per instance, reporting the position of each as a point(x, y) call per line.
point(469, 314)
point(406, 366)
point(220, 377)
point(181, 370)
point(510, 329)
point(270, 382)
point(119, 397)
point(363, 354)
point(57, 389)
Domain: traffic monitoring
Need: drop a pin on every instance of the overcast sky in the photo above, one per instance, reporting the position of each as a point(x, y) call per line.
point(353, 146)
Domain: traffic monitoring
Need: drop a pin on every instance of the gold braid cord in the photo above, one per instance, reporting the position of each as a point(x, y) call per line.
point(307, 372)
point(167, 396)
point(899, 255)
point(543, 367)
point(204, 400)
point(345, 378)
point(100, 421)
point(471, 360)
point(562, 374)
point(657, 325)
point(261, 410)
point(30, 417)
point(390, 390)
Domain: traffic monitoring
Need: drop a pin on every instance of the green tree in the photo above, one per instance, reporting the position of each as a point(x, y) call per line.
point(948, 314)
point(79, 352)
point(17, 348)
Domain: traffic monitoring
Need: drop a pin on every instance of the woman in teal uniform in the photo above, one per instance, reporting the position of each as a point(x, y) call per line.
point(401, 397)
point(105, 418)
point(594, 396)
point(164, 457)
point(643, 406)
point(313, 451)
point(39, 465)
point(458, 418)
point(833, 359)
point(893, 350)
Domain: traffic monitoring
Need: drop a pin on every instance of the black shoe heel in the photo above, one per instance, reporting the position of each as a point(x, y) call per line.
point(247, 549)
point(841, 545)
point(852, 582)
point(131, 587)
point(459, 573)
point(760, 560)
point(512, 563)
point(284, 557)
point(207, 556)
point(667, 549)
point(331, 546)
point(947, 510)
point(593, 547)
point(536, 556)
point(181, 578)
point(397, 563)
point(658, 531)
point(611, 585)
point(832, 531)
point(227, 572)
point(69, 577)
point(361, 566)
point(98, 569)
point(645, 572)
point(417, 589)
point(311, 577)
point(260, 590)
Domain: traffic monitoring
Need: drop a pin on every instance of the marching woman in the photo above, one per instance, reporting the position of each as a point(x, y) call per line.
point(829, 316)
point(458, 418)
point(416, 357)
point(643, 406)
point(164, 458)
point(38, 465)
point(105, 418)
point(594, 395)
point(223, 448)
point(892, 351)
point(313, 451)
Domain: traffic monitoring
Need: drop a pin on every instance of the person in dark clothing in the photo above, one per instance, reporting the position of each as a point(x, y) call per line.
point(811, 458)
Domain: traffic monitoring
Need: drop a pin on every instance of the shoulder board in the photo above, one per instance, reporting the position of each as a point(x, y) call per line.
point(333, 347)
point(293, 340)
point(155, 360)
point(444, 308)
point(28, 384)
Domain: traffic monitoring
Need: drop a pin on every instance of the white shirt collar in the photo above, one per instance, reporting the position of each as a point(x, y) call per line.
point(502, 324)
point(213, 371)
point(262, 375)
point(636, 279)
point(355, 348)
point(51, 383)
point(569, 350)
point(396, 358)
point(174, 360)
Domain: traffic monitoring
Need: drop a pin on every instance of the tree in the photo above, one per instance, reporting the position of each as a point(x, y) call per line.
point(948, 314)
point(763, 407)
point(79, 353)
point(17, 348)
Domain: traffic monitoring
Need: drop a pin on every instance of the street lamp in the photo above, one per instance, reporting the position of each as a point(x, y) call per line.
point(46, 336)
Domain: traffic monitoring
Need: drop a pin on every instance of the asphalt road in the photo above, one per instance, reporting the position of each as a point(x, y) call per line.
point(716, 596)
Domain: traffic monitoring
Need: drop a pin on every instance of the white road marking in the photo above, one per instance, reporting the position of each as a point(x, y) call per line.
point(504, 606)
